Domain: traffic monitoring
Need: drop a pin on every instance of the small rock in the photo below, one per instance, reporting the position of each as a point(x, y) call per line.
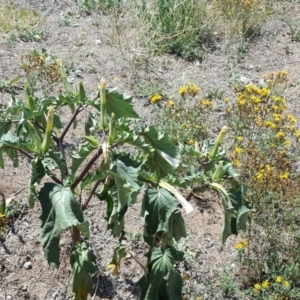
point(27, 265)
point(244, 80)
point(98, 42)
point(24, 288)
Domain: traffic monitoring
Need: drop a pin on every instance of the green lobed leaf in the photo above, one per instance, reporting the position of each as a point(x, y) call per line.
point(60, 211)
point(124, 172)
point(176, 228)
point(120, 105)
point(80, 155)
point(83, 262)
point(37, 172)
point(59, 161)
point(5, 126)
point(163, 160)
point(157, 207)
point(91, 178)
point(236, 212)
point(90, 124)
point(163, 281)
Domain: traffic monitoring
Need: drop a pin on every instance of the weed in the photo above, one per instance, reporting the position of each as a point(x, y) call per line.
point(244, 17)
point(178, 27)
point(106, 6)
point(152, 169)
point(241, 51)
point(65, 20)
point(264, 149)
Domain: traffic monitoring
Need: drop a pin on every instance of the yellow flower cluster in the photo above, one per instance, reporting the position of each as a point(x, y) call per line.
point(189, 89)
point(206, 103)
point(260, 286)
point(156, 98)
point(264, 131)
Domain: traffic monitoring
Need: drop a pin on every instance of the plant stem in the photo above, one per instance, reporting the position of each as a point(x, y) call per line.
point(195, 190)
point(86, 169)
point(66, 129)
point(153, 184)
point(23, 152)
point(75, 235)
point(84, 206)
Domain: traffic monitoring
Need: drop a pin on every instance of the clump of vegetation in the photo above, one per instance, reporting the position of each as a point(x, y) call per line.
point(99, 166)
point(186, 116)
point(245, 18)
point(20, 22)
point(262, 146)
point(184, 28)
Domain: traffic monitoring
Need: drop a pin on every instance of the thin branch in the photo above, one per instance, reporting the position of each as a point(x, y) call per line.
point(133, 255)
point(195, 190)
point(86, 169)
point(88, 199)
point(55, 179)
point(25, 153)
point(67, 127)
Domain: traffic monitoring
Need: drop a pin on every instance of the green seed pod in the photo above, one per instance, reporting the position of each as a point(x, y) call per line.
point(218, 172)
point(29, 102)
point(35, 136)
point(112, 129)
point(49, 128)
point(103, 115)
point(82, 95)
point(214, 151)
point(92, 140)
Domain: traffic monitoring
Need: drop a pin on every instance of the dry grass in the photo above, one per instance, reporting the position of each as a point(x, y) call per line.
point(14, 18)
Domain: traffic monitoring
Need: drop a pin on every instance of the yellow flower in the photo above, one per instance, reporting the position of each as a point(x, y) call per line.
point(192, 89)
point(170, 104)
point(197, 126)
point(280, 135)
point(206, 103)
point(265, 284)
point(238, 150)
point(239, 246)
point(156, 98)
point(259, 175)
point(241, 101)
point(284, 175)
point(276, 117)
point(286, 283)
point(255, 100)
point(236, 162)
point(297, 133)
point(257, 288)
point(191, 142)
point(287, 142)
point(226, 100)
point(278, 279)
point(182, 91)
point(291, 118)
point(239, 139)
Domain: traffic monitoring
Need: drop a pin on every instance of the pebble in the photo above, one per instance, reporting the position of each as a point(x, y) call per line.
point(27, 265)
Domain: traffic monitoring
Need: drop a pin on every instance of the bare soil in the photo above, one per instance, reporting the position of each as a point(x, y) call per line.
point(89, 49)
